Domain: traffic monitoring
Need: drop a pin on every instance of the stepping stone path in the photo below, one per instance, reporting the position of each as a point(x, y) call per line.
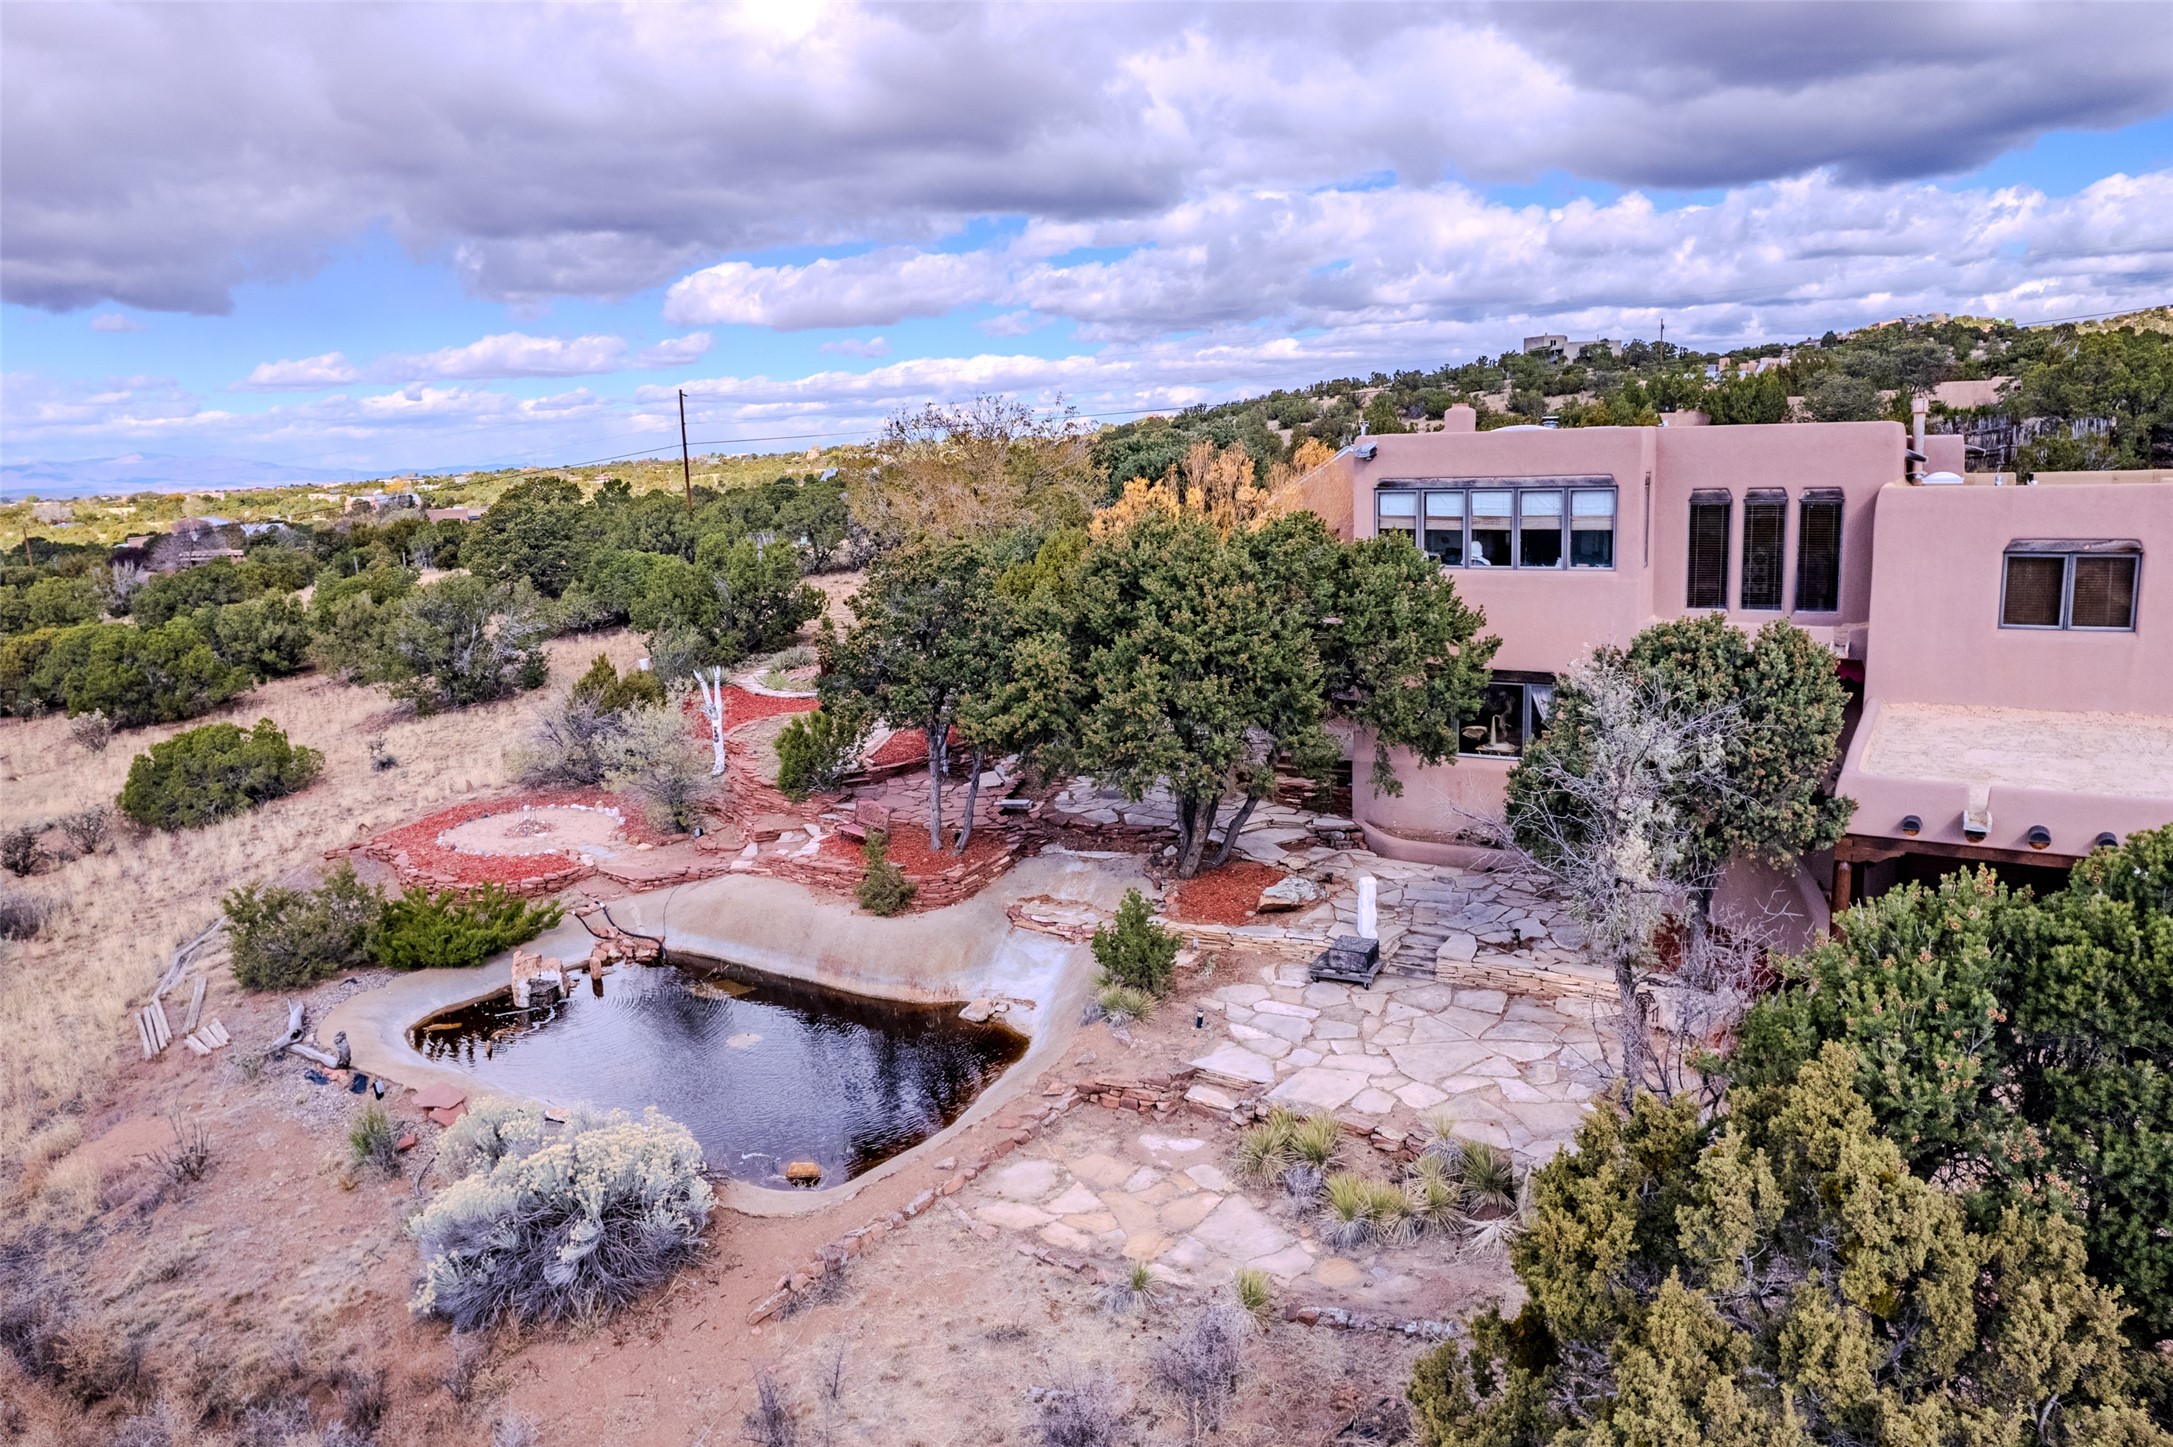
point(1160, 1198)
point(1512, 1069)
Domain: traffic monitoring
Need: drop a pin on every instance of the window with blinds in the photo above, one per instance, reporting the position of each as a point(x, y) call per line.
point(1765, 530)
point(2070, 584)
point(1709, 549)
point(1818, 551)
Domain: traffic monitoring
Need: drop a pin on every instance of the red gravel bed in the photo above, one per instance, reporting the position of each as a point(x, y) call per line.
point(424, 856)
point(742, 707)
point(1221, 896)
point(910, 852)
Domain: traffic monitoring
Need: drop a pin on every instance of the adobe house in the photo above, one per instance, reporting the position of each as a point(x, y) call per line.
point(2013, 666)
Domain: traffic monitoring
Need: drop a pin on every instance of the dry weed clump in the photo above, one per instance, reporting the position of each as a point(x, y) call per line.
point(127, 908)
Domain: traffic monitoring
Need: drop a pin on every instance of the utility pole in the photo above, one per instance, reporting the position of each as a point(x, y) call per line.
point(686, 466)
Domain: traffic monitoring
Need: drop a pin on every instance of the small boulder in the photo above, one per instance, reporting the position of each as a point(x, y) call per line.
point(977, 1011)
point(803, 1173)
point(1291, 892)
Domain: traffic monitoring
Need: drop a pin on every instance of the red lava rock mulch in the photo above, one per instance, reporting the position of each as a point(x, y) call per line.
point(910, 852)
point(414, 851)
point(742, 707)
point(1221, 896)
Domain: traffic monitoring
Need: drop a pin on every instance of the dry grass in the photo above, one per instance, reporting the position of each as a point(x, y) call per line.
point(65, 1016)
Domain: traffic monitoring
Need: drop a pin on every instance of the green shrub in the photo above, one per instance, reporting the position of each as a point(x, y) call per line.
point(206, 774)
point(371, 1141)
point(1255, 1293)
point(269, 637)
point(133, 675)
point(572, 1225)
point(817, 750)
point(613, 692)
point(1134, 950)
point(884, 889)
point(286, 938)
point(453, 929)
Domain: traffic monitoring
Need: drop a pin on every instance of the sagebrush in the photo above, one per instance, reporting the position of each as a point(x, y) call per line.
point(569, 1226)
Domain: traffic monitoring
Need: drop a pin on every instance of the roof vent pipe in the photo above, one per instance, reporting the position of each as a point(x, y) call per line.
point(1919, 407)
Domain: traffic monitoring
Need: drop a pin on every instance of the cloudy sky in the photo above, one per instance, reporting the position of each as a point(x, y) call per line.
point(377, 237)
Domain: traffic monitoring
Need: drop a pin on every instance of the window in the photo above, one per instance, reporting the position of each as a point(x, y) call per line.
point(1592, 528)
point(1487, 523)
point(1445, 527)
point(1765, 527)
point(1512, 712)
point(1818, 551)
point(1539, 529)
point(1709, 549)
point(1396, 514)
point(2070, 584)
point(1492, 520)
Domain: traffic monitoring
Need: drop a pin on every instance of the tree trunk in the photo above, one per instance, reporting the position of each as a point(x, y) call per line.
point(1229, 835)
point(935, 786)
point(1195, 844)
point(1636, 1030)
point(973, 796)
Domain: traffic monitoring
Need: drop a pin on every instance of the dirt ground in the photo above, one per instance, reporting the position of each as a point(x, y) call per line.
point(282, 1278)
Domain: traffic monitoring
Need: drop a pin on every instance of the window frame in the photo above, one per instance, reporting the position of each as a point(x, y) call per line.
point(1724, 500)
point(1773, 501)
point(1530, 712)
point(2069, 551)
point(1820, 497)
point(1566, 489)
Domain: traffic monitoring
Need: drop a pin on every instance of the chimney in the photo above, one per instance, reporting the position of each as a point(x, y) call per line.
point(1460, 418)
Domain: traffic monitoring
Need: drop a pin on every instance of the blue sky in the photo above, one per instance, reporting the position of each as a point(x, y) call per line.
point(279, 236)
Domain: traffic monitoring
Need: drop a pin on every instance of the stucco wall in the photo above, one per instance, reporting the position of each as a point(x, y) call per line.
point(1935, 634)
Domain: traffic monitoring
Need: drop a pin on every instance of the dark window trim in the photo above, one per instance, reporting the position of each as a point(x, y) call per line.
point(2068, 552)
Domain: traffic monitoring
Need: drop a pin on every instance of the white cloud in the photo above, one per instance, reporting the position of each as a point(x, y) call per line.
point(509, 354)
point(115, 322)
point(674, 351)
point(888, 127)
point(1764, 259)
point(306, 374)
point(858, 347)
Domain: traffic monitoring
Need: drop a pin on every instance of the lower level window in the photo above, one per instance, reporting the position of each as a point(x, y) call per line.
point(1512, 712)
point(2053, 583)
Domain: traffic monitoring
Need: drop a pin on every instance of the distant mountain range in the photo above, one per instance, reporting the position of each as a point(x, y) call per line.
point(147, 472)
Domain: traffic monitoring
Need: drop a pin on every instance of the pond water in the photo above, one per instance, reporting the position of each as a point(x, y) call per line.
point(762, 1069)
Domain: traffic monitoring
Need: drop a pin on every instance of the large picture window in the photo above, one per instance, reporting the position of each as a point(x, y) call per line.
point(1709, 549)
point(1483, 525)
point(1765, 530)
point(2071, 584)
point(1818, 551)
point(1512, 712)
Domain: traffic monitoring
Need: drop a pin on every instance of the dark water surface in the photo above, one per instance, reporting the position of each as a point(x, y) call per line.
point(762, 1069)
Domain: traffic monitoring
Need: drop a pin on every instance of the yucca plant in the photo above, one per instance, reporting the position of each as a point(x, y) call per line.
point(1441, 1142)
point(1255, 1293)
point(1348, 1203)
point(1488, 1175)
point(1265, 1150)
point(1316, 1139)
point(1395, 1223)
point(1121, 1004)
point(1133, 1289)
point(1437, 1199)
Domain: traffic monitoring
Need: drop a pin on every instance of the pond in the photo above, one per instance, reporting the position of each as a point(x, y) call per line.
point(762, 1069)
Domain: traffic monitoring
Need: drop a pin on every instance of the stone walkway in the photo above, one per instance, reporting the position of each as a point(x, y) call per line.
point(1516, 1070)
point(1159, 1197)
